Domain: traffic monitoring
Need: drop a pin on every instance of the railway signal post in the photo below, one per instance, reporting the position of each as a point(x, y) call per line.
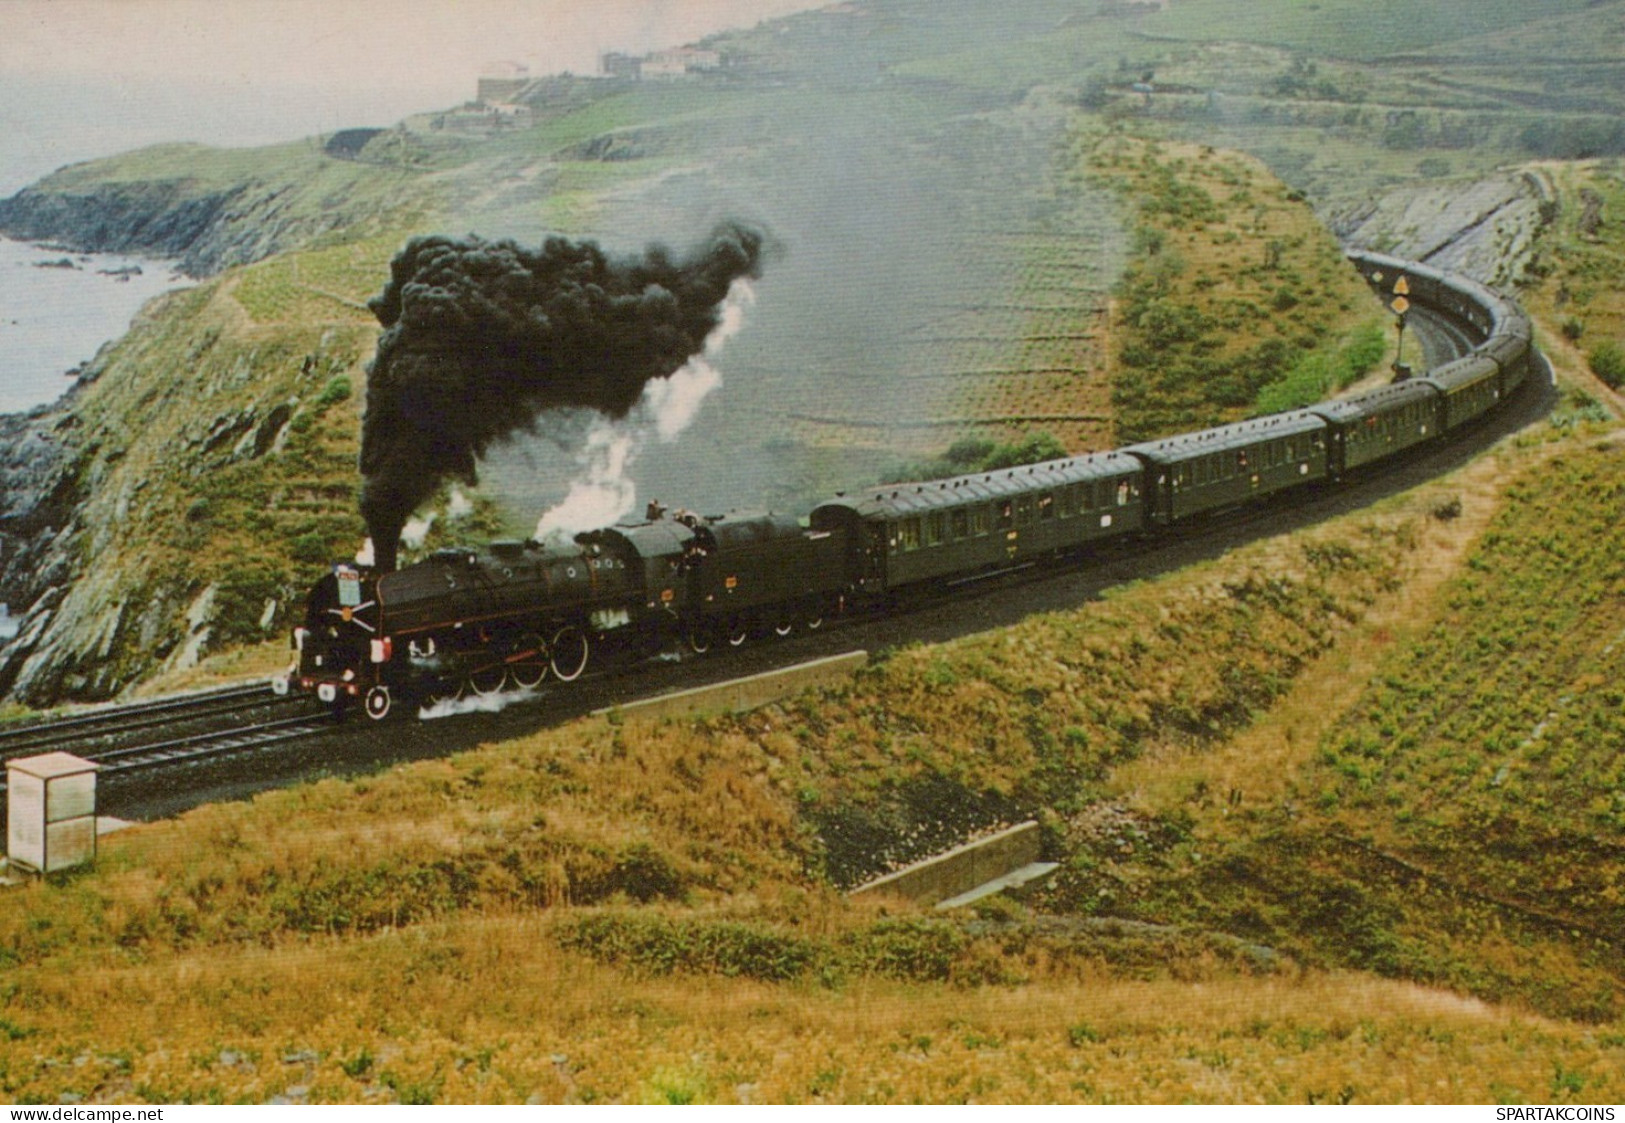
point(1400, 305)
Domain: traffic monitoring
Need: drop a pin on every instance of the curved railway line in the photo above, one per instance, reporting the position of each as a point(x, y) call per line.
point(148, 745)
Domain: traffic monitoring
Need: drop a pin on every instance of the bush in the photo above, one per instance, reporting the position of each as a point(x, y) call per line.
point(1607, 361)
point(337, 390)
point(969, 455)
point(661, 946)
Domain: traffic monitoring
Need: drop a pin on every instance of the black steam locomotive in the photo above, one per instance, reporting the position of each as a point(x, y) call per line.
point(519, 612)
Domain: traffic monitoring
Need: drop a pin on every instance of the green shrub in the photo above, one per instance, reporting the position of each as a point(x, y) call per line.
point(1607, 361)
point(337, 390)
point(662, 946)
point(969, 455)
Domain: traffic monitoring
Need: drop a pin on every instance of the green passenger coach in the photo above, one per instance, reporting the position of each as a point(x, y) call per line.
point(1196, 472)
point(904, 534)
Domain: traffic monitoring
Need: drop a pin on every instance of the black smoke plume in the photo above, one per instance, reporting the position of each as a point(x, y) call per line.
point(480, 338)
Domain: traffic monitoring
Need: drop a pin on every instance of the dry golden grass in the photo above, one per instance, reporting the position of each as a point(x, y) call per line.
point(239, 665)
point(488, 1010)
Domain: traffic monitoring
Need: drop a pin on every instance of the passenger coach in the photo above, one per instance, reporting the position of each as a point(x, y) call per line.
point(1223, 467)
point(910, 533)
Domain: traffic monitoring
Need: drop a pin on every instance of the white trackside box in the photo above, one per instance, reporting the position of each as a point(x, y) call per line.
point(50, 812)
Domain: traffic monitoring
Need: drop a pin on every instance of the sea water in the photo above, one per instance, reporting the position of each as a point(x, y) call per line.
point(58, 307)
point(53, 319)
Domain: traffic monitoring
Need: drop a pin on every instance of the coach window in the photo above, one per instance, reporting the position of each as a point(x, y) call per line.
point(1046, 506)
point(981, 520)
point(1006, 517)
point(935, 527)
point(908, 534)
point(1024, 510)
point(959, 522)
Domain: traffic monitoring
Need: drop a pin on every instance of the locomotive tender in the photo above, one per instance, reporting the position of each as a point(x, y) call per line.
point(518, 612)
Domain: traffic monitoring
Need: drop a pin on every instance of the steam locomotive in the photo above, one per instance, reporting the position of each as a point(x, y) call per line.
point(516, 613)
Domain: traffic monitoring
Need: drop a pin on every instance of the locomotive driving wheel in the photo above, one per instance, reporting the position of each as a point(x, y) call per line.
point(738, 631)
point(530, 663)
point(699, 634)
point(488, 680)
point(570, 653)
point(443, 690)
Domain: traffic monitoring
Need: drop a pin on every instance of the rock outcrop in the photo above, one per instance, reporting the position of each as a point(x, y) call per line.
point(160, 219)
point(39, 497)
point(209, 215)
point(1486, 229)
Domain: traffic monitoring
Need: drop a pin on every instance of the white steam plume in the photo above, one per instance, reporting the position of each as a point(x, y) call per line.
point(416, 530)
point(603, 493)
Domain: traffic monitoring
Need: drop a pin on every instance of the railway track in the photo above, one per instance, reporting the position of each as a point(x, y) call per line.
point(171, 730)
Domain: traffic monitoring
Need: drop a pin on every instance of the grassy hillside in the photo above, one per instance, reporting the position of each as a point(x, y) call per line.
point(1236, 303)
point(623, 912)
point(1579, 294)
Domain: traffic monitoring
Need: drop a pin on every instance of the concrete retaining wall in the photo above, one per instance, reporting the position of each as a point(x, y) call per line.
point(743, 694)
point(962, 868)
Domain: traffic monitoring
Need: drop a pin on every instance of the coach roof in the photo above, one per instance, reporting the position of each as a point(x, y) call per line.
point(1240, 435)
point(899, 500)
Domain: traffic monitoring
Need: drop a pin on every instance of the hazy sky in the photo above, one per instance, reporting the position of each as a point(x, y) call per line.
point(379, 43)
point(82, 78)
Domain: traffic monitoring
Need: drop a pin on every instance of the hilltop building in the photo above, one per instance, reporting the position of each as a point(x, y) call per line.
point(501, 82)
point(615, 64)
point(1133, 7)
point(679, 62)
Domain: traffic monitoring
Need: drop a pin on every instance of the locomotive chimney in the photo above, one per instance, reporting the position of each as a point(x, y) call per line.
point(386, 546)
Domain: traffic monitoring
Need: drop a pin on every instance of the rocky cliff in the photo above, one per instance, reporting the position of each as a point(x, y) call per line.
point(1487, 229)
point(39, 495)
point(123, 504)
point(174, 503)
point(210, 209)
